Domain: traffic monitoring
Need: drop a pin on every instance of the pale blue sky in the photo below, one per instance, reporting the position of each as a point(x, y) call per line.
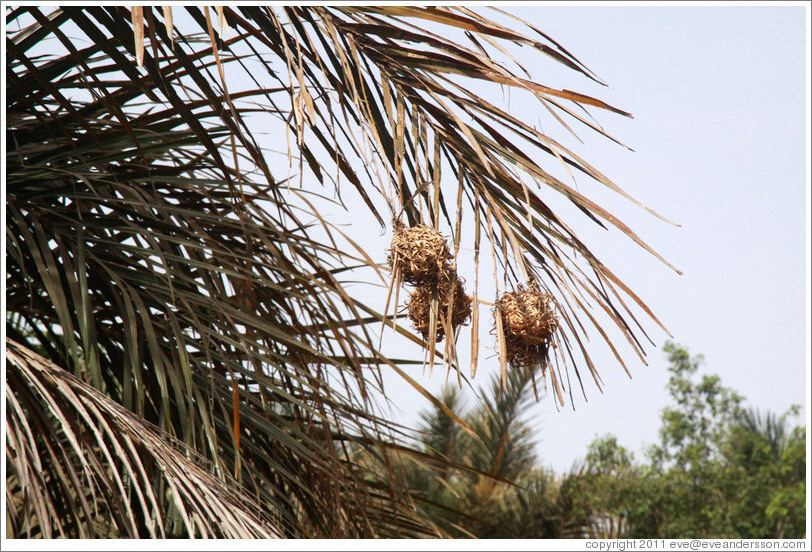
point(718, 96)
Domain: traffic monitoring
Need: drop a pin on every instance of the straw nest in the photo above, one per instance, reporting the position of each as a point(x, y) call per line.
point(421, 253)
point(528, 322)
point(420, 307)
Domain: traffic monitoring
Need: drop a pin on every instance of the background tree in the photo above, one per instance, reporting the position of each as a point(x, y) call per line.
point(689, 447)
point(155, 253)
point(740, 474)
point(606, 489)
point(493, 488)
point(765, 468)
point(719, 471)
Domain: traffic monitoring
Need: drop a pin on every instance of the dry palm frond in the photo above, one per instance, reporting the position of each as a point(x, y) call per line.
point(394, 81)
point(529, 322)
point(74, 454)
point(424, 299)
point(421, 254)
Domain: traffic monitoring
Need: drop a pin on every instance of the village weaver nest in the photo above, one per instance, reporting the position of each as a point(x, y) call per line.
point(421, 253)
point(420, 304)
point(528, 322)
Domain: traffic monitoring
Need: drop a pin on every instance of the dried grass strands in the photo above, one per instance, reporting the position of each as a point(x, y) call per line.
point(420, 253)
point(420, 308)
point(89, 452)
point(527, 321)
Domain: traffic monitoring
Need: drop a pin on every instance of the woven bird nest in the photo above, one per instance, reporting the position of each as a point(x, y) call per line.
point(420, 304)
point(528, 322)
point(421, 253)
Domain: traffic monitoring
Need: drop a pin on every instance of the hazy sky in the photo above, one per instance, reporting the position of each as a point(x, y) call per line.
point(719, 103)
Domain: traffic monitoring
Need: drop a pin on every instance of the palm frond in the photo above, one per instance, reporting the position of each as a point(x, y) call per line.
point(155, 255)
point(80, 463)
point(183, 289)
point(507, 442)
point(399, 83)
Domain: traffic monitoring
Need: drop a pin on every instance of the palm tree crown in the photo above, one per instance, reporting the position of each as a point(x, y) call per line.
point(168, 289)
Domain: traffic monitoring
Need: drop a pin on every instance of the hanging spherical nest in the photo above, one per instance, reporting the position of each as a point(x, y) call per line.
point(421, 253)
point(528, 322)
point(420, 305)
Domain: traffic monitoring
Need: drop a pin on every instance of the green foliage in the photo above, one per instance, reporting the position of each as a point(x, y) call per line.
point(606, 456)
point(606, 490)
point(493, 491)
point(720, 470)
point(765, 469)
point(442, 435)
point(691, 428)
point(538, 507)
point(505, 445)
